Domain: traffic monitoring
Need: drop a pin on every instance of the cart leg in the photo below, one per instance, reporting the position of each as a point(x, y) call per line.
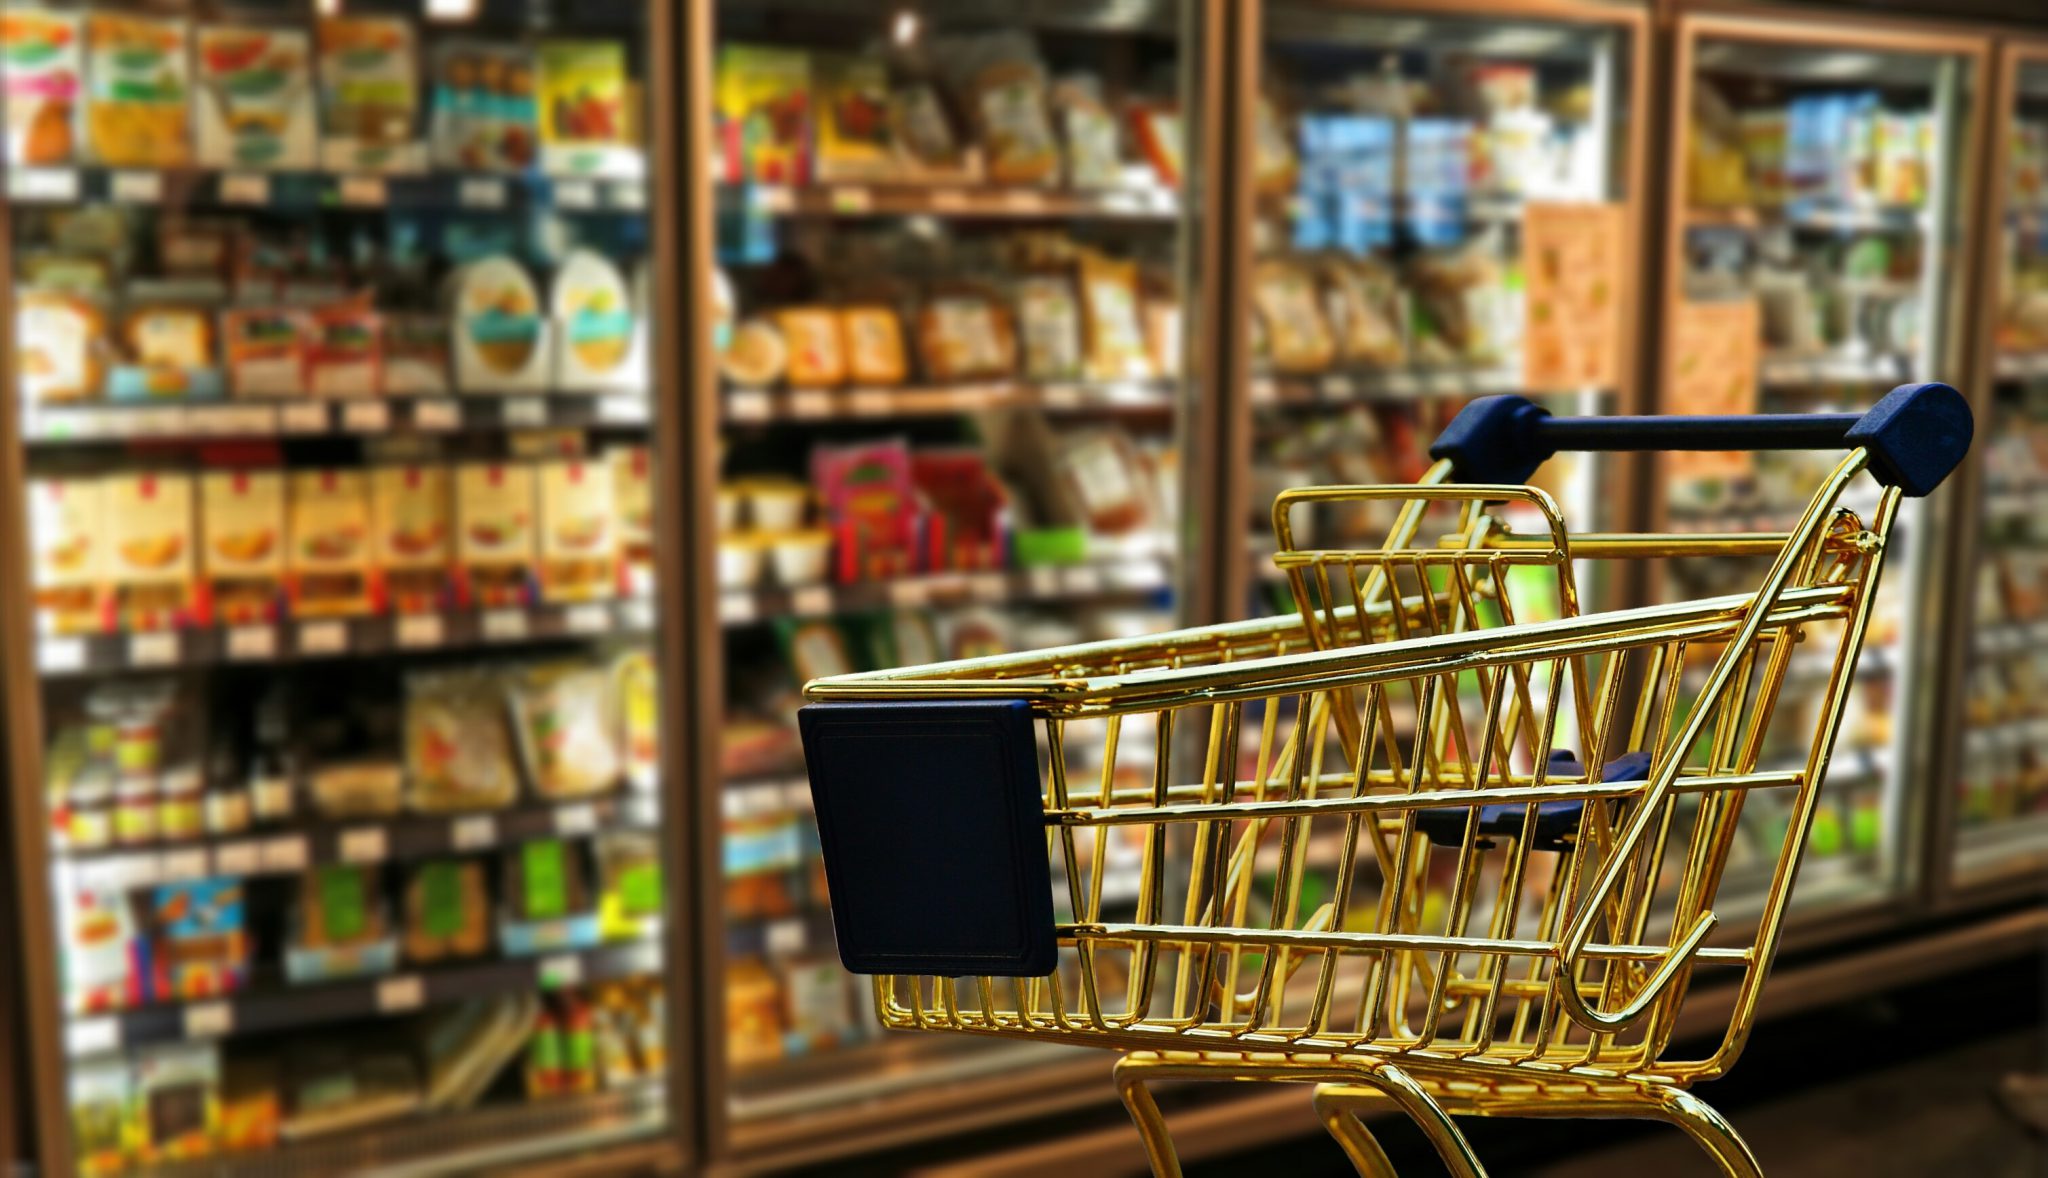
point(1711, 1131)
point(1388, 1082)
point(1701, 1121)
point(1335, 1108)
point(1130, 1087)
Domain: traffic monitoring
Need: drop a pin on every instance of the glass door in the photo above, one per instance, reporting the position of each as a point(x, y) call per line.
point(1815, 260)
point(949, 304)
point(2001, 797)
point(338, 801)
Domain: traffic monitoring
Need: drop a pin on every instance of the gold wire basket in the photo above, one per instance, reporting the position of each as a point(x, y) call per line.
point(1127, 843)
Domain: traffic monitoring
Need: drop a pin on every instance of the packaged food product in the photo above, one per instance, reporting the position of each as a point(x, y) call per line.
point(242, 519)
point(357, 789)
point(1161, 138)
point(629, 881)
point(266, 351)
point(101, 946)
point(415, 355)
point(578, 537)
point(335, 1089)
point(815, 1002)
point(328, 566)
point(256, 98)
point(1163, 347)
point(1364, 300)
point(150, 526)
point(633, 510)
point(636, 695)
point(965, 335)
point(61, 271)
point(1105, 475)
point(199, 944)
point(1002, 85)
point(1273, 151)
point(369, 95)
point(596, 323)
point(547, 880)
point(1463, 296)
point(568, 727)
point(69, 551)
point(817, 649)
point(753, 1013)
point(458, 754)
point(168, 352)
point(817, 350)
point(1297, 338)
point(178, 1088)
point(501, 341)
point(43, 80)
point(346, 355)
point(1049, 327)
point(585, 119)
point(466, 1045)
point(853, 117)
point(447, 910)
point(871, 505)
point(1093, 160)
point(764, 115)
point(802, 557)
point(494, 528)
point(1115, 336)
point(101, 1099)
point(251, 1104)
point(138, 78)
point(926, 146)
point(413, 548)
point(59, 340)
point(757, 356)
point(873, 337)
point(485, 112)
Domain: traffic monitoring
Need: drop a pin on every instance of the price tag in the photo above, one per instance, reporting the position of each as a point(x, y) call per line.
point(182, 865)
point(525, 411)
point(400, 994)
point(237, 859)
point(587, 619)
point(577, 819)
point(282, 855)
point(328, 637)
point(247, 644)
point(1043, 582)
point(624, 410)
point(157, 648)
point(810, 404)
point(209, 1020)
point(786, 938)
point(1339, 388)
point(748, 405)
point(141, 188)
point(302, 417)
point(575, 194)
point(56, 656)
point(852, 198)
point(42, 184)
point(366, 417)
point(1023, 200)
point(505, 625)
point(737, 609)
point(365, 844)
point(989, 587)
point(481, 192)
point(772, 198)
point(436, 416)
point(811, 601)
point(1263, 389)
point(871, 402)
point(563, 969)
point(908, 594)
point(244, 188)
point(416, 631)
point(91, 1036)
point(363, 191)
point(1061, 396)
point(473, 833)
point(1081, 580)
point(629, 195)
point(949, 200)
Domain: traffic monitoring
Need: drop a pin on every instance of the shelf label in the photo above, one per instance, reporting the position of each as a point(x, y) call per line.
point(364, 844)
point(505, 625)
point(1339, 388)
point(155, 648)
point(209, 1020)
point(142, 188)
point(525, 412)
point(55, 656)
point(811, 601)
point(182, 865)
point(948, 200)
point(400, 994)
point(737, 609)
point(590, 618)
point(237, 859)
point(42, 184)
point(1082, 580)
point(416, 631)
point(629, 195)
point(252, 643)
point(576, 819)
point(871, 402)
point(1061, 396)
point(473, 833)
point(563, 969)
point(436, 416)
point(366, 191)
point(90, 1036)
point(787, 938)
point(244, 188)
point(623, 410)
point(575, 194)
point(328, 637)
point(283, 855)
point(366, 417)
point(989, 587)
point(481, 192)
point(909, 594)
point(1023, 200)
point(302, 417)
point(852, 198)
point(1043, 582)
point(810, 404)
point(748, 405)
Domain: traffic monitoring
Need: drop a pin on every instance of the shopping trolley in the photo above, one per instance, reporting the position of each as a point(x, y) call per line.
point(1127, 843)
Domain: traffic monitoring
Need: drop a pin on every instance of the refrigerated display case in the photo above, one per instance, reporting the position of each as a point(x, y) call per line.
point(950, 248)
point(334, 723)
point(1446, 205)
point(1815, 256)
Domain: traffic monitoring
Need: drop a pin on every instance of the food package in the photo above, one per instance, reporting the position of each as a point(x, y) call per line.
point(413, 547)
point(256, 101)
point(1276, 169)
point(965, 335)
point(547, 880)
point(485, 117)
point(873, 337)
point(628, 882)
point(177, 1087)
point(1115, 335)
point(69, 551)
point(1162, 139)
point(764, 115)
point(568, 730)
point(1464, 296)
point(1093, 160)
point(70, 273)
point(266, 349)
point(468, 1044)
point(137, 104)
point(447, 910)
point(340, 926)
point(102, 1097)
point(817, 349)
point(595, 320)
point(1298, 340)
point(816, 1006)
point(242, 518)
point(926, 146)
point(501, 340)
point(458, 754)
point(60, 340)
point(415, 355)
point(369, 95)
point(167, 352)
point(199, 943)
point(198, 248)
point(335, 1089)
point(1049, 327)
point(1164, 343)
point(149, 519)
point(636, 694)
point(633, 509)
point(757, 356)
point(328, 566)
point(1001, 83)
point(369, 788)
point(495, 545)
point(44, 75)
point(251, 1105)
point(579, 554)
point(585, 117)
point(346, 357)
point(101, 948)
point(753, 1013)
point(853, 118)
point(1106, 478)
point(1363, 298)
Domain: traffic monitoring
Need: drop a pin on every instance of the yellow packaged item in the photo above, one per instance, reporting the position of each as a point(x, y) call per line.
point(413, 547)
point(874, 346)
point(69, 551)
point(59, 342)
point(328, 567)
point(494, 532)
point(1109, 303)
point(817, 350)
point(242, 520)
point(138, 72)
point(578, 536)
point(149, 524)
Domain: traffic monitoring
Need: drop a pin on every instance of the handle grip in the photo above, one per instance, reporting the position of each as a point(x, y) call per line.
point(1916, 435)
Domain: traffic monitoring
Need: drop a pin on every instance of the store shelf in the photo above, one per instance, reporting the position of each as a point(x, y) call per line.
point(2011, 638)
point(2015, 501)
point(1137, 203)
point(1811, 215)
point(1367, 385)
point(1134, 577)
point(279, 1007)
point(2021, 365)
point(1783, 370)
point(752, 405)
point(324, 191)
point(104, 422)
point(330, 638)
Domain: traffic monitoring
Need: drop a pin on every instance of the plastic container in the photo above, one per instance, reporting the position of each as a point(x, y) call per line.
point(135, 812)
point(227, 810)
point(89, 812)
point(801, 558)
point(739, 562)
point(777, 506)
point(732, 503)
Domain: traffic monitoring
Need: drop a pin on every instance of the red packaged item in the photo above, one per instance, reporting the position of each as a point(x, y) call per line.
point(871, 506)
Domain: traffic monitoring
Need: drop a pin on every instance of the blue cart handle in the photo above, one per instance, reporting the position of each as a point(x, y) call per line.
point(1916, 435)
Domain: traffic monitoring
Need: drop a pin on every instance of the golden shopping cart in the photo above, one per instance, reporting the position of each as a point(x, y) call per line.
point(1129, 843)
